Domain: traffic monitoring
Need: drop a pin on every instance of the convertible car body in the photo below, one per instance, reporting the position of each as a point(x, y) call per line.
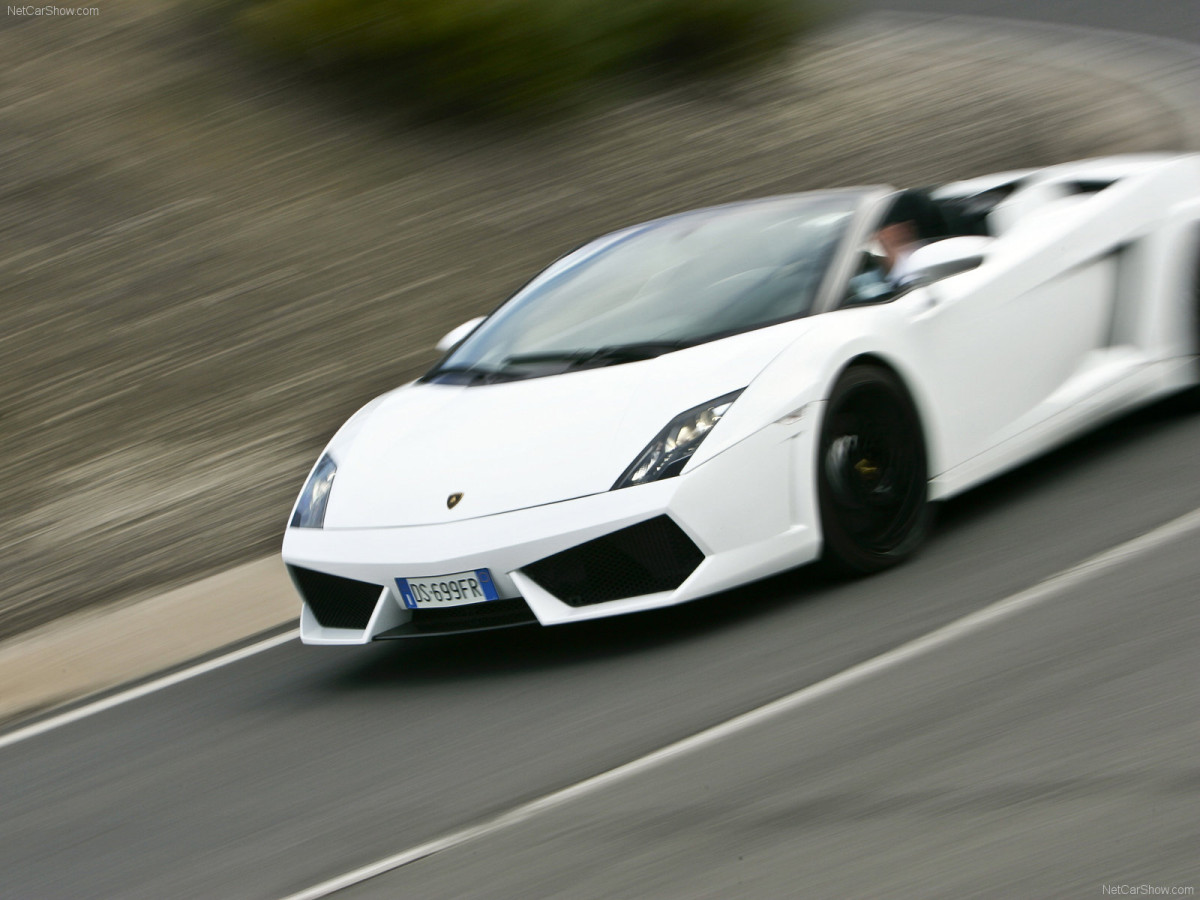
point(710, 398)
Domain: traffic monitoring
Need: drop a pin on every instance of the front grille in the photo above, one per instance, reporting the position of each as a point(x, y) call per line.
point(651, 556)
point(336, 602)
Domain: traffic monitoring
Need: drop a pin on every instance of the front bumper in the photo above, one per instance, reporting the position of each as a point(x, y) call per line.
point(749, 512)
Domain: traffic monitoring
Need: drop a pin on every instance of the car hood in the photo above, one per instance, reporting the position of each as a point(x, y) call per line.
point(519, 444)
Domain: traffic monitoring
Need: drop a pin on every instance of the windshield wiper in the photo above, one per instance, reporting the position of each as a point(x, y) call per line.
point(467, 375)
point(599, 356)
point(511, 369)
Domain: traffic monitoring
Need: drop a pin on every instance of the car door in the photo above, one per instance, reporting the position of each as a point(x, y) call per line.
point(998, 342)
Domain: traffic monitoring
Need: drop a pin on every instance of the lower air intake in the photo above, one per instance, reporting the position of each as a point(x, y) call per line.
point(646, 558)
point(336, 602)
point(460, 619)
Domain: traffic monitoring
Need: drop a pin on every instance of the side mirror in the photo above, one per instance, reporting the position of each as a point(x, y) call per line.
point(456, 336)
point(947, 257)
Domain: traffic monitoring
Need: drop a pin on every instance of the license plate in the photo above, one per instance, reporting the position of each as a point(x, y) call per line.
point(456, 589)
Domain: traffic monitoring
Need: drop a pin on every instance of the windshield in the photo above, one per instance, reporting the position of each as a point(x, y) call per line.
point(661, 286)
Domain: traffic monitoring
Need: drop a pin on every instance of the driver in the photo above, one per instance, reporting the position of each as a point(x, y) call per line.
point(912, 221)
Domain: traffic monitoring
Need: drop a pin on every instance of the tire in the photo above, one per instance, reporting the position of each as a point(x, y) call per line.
point(872, 473)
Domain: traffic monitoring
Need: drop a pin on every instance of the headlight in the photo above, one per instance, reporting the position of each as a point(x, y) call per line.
point(310, 508)
point(666, 455)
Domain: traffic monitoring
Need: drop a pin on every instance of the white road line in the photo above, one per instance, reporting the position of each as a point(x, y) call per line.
point(977, 621)
point(142, 690)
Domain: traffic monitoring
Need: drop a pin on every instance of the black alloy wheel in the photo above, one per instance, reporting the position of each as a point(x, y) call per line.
point(872, 476)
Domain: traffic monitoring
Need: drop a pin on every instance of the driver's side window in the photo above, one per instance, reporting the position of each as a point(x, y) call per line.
point(870, 283)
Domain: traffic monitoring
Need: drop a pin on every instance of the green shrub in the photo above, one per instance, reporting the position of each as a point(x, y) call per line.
point(514, 55)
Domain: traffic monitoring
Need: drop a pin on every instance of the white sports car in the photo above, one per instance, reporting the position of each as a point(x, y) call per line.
point(709, 398)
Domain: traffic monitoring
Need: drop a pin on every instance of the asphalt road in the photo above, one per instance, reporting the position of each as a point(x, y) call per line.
point(1178, 19)
point(1064, 731)
point(1044, 756)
